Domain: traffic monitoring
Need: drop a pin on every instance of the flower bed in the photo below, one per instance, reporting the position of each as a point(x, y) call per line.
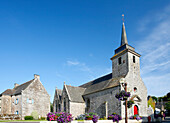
point(89, 116)
point(60, 117)
point(114, 117)
point(137, 117)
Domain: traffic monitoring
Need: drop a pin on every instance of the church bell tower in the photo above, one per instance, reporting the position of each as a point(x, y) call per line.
point(125, 59)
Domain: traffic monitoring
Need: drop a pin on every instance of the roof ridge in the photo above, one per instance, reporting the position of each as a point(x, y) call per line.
point(24, 83)
point(96, 79)
point(75, 86)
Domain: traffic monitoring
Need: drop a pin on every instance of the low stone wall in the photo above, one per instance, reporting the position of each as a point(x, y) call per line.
point(99, 121)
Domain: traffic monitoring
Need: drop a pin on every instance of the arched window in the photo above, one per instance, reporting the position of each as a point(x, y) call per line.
point(16, 112)
point(88, 105)
point(64, 104)
point(59, 107)
point(135, 89)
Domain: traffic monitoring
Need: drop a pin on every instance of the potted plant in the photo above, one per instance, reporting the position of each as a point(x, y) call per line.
point(123, 95)
point(92, 116)
point(129, 103)
point(114, 117)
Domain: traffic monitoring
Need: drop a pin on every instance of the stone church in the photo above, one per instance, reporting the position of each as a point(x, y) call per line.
point(99, 95)
point(25, 98)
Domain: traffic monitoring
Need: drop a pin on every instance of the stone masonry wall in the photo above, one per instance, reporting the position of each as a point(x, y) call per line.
point(35, 98)
point(104, 102)
point(122, 69)
point(66, 98)
point(6, 104)
point(77, 108)
point(133, 79)
point(16, 106)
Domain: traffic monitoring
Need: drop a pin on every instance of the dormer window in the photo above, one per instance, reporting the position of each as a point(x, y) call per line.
point(133, 59)
point(119, 60)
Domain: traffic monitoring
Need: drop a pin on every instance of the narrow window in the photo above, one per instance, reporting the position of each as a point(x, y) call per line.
point(119, 60)
point(64, 104)
point(135, 89)
point(16, 112)
point(59, 108)
point(16, 101)
point(32, 101)
point(27, 100)
point(88, 105)
point(133, 59)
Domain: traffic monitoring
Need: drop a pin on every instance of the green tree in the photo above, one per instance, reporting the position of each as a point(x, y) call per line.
point(151, 103)
point(167, 107)
point(154, 98)
point(51, 107)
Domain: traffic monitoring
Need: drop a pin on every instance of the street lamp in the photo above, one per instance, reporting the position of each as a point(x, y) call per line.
point(124, 85)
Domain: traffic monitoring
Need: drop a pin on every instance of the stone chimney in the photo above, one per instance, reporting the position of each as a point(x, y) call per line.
point(36, 76)
point(15, 85)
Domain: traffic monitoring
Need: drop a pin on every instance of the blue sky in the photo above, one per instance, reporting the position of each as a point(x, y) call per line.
point(73, 41)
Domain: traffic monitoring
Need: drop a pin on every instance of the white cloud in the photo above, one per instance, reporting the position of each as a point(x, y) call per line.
point(73, 63)
point(80, 66)
point(155, 60)
point(157, 85)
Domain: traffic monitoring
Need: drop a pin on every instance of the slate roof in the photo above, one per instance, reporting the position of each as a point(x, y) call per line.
point(7, 92)
point(21, 87)
point(75, 93)
point(59, 93)
point(101, 83)
point(17, 90)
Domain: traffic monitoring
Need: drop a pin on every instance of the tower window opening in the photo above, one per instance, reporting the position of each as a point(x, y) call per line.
point(135, 89)
point(133, 59)
point(119, 60)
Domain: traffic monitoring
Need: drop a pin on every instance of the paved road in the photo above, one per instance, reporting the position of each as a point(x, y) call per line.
point(167, 120)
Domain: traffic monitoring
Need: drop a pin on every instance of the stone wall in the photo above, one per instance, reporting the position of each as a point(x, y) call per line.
point(104, 102)
point(122, 69)
point(133, 80)
point(35, 98)
point(77, 108)
point(6, 104)
point(16, 105)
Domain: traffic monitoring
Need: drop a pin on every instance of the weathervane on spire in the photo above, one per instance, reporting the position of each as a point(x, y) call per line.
point(123, 18)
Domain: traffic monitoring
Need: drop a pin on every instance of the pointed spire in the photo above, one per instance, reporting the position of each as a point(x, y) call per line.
point(123, 37)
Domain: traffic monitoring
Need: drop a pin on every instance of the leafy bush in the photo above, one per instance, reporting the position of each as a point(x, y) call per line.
point(35, 115)
point(28, 117)
point(42, 118)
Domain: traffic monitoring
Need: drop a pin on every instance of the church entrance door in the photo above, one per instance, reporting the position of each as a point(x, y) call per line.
point(135, 109)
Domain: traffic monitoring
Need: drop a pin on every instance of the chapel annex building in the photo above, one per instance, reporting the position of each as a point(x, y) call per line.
point(25, 98)
point(99, 95)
